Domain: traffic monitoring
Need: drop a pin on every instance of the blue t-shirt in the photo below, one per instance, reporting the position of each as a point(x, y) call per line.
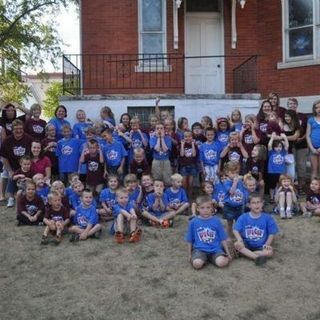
point(276, 162)
point(43, 193)
point(68, 153)
point(75, 201)
point(79, 130)
point(118, 208)
point(175, 199)
point(161, 155)
point(222, 137)
point(210, 153)
point(136, 142)
point(206, 234)
point(108, 197)
point(219, 192)
point(255, 231)
point(85, 216)
point(238, 197)
point(114, 153)
point(314, 132)
point(58, 125)
point(150, 200)
point(133, 196)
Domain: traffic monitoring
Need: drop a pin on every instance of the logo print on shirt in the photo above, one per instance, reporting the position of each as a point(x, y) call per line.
point(37, 129)
point(210, 154)
point(237, 196)
point(278, 159)
point(112, 155)
point(31, 209)
point(223, 137)
point(66, 150)
point(93, 166)
point(188, 153)
point(19, 151)
point(263, 127)
point(248, 139)
point(82, 221)
point(234, 156)
point(206, 235)
point(253, 233)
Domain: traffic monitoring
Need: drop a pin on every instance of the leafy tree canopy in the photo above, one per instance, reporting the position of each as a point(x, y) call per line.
point(52, 99)
point(28, 38)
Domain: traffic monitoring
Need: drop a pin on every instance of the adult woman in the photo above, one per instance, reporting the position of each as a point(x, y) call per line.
point(35, 126)
point(263, 115)
point(9, 114)
point(59, 120)
point(275, 102)
point(40, 162)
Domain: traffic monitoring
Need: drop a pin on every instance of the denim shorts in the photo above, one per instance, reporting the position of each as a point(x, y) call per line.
point(205, 256)
point(232, 213)
point(191, 170)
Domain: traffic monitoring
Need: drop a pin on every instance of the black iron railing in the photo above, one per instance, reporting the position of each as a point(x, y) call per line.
point(142, 73)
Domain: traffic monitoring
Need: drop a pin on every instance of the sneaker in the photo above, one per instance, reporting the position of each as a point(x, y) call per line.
point(10, 203)
point(119, 237)
point(135, 236)
point(282, 214)
point(261, 260)
point(289, 214)
point(44, 240)
point(74, 237)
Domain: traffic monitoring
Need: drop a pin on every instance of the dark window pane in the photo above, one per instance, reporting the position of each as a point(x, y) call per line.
point(301, 42)
point(203, 6)
point(300, 13)
point(151, 15)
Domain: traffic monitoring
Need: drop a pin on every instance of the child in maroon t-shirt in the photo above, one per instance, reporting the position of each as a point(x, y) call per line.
point(30, 206)
point(139, 164)
point(23, 174)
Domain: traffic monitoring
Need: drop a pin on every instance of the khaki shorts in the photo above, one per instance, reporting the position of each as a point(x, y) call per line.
point(161, 170)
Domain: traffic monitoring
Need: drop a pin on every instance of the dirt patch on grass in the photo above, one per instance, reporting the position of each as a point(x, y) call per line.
point(99, 279)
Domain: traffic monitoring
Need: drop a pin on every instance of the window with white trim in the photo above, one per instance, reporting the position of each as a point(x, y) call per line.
point(152, 31)
point(301, 32)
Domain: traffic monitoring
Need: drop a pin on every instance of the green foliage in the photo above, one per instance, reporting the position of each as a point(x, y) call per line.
point(51, 101)
point(28, 38)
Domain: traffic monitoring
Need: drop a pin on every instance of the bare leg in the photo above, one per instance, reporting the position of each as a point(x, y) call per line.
point(314, 165)
point(221, 261)
point(197, 264)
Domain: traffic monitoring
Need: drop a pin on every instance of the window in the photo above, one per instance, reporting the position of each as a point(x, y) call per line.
point(301, 33)
point(152, 28)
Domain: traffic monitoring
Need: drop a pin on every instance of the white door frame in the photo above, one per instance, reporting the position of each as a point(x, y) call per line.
point(208, 15)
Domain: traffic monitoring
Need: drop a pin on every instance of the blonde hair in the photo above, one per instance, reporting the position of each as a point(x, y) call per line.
point(130, 178)
point(53, 194)
point(176, 177)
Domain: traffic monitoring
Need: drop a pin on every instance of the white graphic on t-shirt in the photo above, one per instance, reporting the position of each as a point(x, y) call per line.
point(223, 137)
point(66, 150)
point(237, 196)
point(9, 126)
point(253, 233)
point(31, 209)
point(188, 153)
point(57, 218)
point(210, 154)
point(234, 156)
point(255, 170)
point(206, 235)
point(174, 203)
point(112, 155)
point(82, 221)
point(93, 166)
point(248, 139)
point(37, 129)
point(314, 200)
point(19, 151)
point(263, 127)
point(136, 143)
point(278, 159)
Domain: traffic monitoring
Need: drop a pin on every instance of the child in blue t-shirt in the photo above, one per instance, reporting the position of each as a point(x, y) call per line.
point(124, 211)
point(277, 150)
point(207, 240)
point(210, 156)
point(176, 195)
point(157, 212)
point(135, 191)
point(107, 198)
point(114, 154)
point(86, 220)
point(138, 138)
point(235, 194)
point(42, 189)
point(223, 132)
point(161, 145)
point(68, 153)
point(255, 231)
point(80, 127)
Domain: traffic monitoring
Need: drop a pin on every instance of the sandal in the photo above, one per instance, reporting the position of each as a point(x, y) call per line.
point(165, 224)
point(135, 236)
point(119, 237)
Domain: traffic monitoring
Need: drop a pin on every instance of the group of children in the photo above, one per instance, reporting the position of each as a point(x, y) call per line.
point(134, 176)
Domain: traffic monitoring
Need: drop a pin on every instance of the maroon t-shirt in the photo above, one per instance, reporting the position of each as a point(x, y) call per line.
point(255, 167)
point(139, 168)
point(50, 153)
point(95, 170)
point(40, 165)
point(28, 174)
point(273, 126)
point(313, 197)
point(303, 120)
point(13, 149)
point(188, 159)
point(247, 140)
point(60, 215)
point(35, 128)
point(30, 206)
point(234, 154)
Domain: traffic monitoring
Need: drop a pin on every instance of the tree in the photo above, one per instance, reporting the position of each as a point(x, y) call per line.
point(52, 99)
point(28, 38)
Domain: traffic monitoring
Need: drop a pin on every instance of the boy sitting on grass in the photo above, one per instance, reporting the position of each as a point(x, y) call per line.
point(207, 240)
point(56, 218)
point(255, 231)
point(85, 219)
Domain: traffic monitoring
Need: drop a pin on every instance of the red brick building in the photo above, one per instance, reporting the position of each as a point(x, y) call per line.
point(200, 47)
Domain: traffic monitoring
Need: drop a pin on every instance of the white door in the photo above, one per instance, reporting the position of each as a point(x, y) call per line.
point(203, 38)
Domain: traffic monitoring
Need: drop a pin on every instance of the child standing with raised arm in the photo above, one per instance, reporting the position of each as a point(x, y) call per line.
point(124, 211)
point(255, 231)
point(207, 240)
point(86, 221)
point(56, 218)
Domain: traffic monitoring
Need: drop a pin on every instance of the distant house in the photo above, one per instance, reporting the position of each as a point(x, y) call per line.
point(203, 56)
